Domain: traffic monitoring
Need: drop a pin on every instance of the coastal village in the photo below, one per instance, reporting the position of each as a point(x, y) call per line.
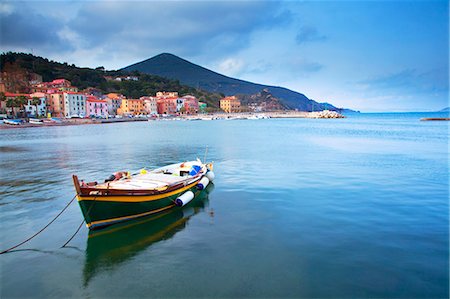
point(60, 99)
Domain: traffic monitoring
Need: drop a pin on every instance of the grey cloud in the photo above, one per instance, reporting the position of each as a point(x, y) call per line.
point(309, 34)
point(185, 28)
point(25, 28)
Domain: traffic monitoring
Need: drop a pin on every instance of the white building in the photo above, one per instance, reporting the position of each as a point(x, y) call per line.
point(113, 105)
point(150, 106)
point(180, 104)
point(74, 104)
point(30, 108)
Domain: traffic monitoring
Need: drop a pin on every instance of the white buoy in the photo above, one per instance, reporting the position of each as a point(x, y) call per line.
point(184, 198)
point(203, 183)
point(210, 175)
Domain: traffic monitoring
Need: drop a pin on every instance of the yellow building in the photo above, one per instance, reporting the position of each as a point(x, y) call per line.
point(131, 107)
point(230, 104)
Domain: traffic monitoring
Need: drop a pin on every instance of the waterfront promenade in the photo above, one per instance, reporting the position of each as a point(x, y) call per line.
point(209, 116)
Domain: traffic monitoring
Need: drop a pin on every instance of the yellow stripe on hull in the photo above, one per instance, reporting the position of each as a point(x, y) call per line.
point(134, 198)
point(119, 219)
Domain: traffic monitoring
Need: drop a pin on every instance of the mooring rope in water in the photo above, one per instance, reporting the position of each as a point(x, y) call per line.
point(81, 224)
point(73, 236)
point(41, 230)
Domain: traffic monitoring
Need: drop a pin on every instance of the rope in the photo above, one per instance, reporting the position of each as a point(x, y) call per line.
point(81, 224)
point(41, 230)
point(73, 236)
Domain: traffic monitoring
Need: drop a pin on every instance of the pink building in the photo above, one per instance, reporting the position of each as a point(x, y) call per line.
point(96, 107)
point(167, 106)
point(190, 104)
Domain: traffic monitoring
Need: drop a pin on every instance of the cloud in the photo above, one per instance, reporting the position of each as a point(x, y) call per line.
point(184, 28)
point(410, 80)
point(118, 33)
point(231, 66)
point(6, 9)
point(22, 27)
point(406, 89)
point(309, 34)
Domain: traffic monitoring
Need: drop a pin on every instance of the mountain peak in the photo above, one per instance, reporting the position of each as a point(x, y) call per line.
point(173, 67)
point(166, 56)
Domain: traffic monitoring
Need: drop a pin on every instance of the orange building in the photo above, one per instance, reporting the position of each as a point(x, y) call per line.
point(230, 104)
point(131, 107)
point(55, 104)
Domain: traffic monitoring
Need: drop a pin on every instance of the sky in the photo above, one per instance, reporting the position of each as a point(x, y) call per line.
point(372, 56)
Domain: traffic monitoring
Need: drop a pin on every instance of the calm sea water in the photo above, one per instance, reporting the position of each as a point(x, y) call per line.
point(357, 208)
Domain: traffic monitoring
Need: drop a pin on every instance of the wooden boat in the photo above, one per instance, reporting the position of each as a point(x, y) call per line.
point(123, 196)
point(36, 121)
point(116, 244)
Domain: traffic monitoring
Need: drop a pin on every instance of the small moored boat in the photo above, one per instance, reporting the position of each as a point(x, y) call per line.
point(14, 122)
point(123, 196)
point(36, 121)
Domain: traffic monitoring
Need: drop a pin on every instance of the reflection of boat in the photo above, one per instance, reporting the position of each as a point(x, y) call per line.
point(117, 243)
point(124, 197)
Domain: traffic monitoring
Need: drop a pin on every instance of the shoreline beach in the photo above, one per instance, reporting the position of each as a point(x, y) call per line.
point(208, 116)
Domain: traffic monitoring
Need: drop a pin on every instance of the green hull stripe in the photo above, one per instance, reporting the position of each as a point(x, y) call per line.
point(98, 213)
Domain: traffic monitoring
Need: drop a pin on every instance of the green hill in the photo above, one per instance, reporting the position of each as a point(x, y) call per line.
point(173, 67)
point(17, 68)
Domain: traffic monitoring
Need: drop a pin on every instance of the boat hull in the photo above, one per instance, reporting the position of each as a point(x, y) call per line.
point(101, 211)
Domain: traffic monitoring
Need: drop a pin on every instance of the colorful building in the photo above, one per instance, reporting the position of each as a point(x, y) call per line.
point(96, 107)
point(166, 94)
point(57, 85)
point(36, 110)
point(230, 104)
point(190, 104)
point(114, 102)
point(131, 107)
point(74, 104)
point(167, 106)
point(150, 106)
point(202, 107)
point(55, 104)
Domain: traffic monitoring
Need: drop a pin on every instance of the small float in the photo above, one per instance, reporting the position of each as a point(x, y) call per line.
point(124, 196)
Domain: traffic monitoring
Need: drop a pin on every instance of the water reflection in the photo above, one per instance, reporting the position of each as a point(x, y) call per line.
point(114, 245)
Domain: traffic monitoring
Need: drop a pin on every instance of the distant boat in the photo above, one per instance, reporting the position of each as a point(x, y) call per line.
point(36, 121)
point(124, 197)
point(14, 122)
